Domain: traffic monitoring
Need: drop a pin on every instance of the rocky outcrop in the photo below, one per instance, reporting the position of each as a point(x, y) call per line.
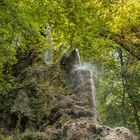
point(51, 103)
point(82, 86)
point(85, 130)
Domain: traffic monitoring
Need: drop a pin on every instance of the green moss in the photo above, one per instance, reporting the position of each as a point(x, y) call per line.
point(6, 138)
point(33, 104)
point(33, 136)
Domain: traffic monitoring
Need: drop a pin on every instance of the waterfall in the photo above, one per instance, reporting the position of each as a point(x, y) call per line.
point(47, 57)
point(83, 86)
point(78, 56)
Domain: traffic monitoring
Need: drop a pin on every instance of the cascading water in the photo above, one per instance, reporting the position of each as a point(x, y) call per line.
point(82, 85)
point(47, 54)
point(47, 57)
point(78, 57)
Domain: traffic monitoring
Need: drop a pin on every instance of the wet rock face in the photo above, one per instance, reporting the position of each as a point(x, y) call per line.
point(82, 86)
point(82, 101)
point(81, 80)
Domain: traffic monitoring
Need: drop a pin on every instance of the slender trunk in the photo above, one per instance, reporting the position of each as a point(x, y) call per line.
point(135, 111)
point(127, 89)
point(124, 89)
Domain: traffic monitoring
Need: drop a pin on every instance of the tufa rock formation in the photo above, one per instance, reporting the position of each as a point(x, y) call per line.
point(54, 102)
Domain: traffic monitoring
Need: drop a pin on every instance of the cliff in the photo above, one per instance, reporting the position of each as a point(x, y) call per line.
point(54, 102)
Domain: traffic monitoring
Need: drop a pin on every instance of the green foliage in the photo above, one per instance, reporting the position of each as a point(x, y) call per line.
point(33, 136)
point(91, 26)
point(5, 138)
point(31, 89)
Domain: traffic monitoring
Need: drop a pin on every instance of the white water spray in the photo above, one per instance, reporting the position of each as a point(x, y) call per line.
point(78, 56)
point(47, 57)
point(82, 85)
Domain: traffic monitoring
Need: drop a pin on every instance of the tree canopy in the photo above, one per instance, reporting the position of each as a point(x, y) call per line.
point(107, 34)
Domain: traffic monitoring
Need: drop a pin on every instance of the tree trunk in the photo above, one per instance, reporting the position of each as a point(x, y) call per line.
point(127, 89)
